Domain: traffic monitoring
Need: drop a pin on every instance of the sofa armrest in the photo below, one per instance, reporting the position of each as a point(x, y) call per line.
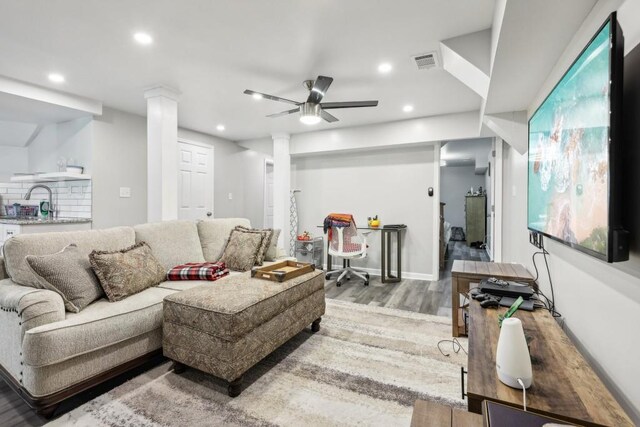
point(3, 270)
point(23, 308)
point(32, 307)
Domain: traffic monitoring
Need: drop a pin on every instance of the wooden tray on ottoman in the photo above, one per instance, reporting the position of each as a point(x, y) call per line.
point(282, 271)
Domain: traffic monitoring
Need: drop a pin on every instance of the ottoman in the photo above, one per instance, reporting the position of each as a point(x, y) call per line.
point(225, 327)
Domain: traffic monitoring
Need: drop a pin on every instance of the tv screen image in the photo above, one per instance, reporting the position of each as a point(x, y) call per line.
point(569, 153)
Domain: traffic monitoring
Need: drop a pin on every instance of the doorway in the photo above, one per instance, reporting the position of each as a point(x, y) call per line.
point(268, 194)
point(467, 180)
point(195, 180)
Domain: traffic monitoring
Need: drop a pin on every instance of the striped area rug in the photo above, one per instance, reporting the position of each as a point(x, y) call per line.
point(365, 367)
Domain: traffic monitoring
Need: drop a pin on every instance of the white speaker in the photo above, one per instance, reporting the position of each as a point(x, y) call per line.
point(512, 357)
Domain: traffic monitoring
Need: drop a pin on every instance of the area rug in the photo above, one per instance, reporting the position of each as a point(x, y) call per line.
point(366, 367)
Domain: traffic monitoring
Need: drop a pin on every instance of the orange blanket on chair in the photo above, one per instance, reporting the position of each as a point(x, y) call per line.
point(337, 220)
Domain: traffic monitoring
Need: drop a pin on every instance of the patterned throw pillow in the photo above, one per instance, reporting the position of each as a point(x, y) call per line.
point(241, 251)
point(128, 271)
point(272, 250)
point(69, 274)
point(267, 235)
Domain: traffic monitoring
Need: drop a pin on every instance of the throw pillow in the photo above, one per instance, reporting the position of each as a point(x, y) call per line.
point(128, 271)
point(241, 250)
point(69, 274)
point(272, 250)
point(267, 234)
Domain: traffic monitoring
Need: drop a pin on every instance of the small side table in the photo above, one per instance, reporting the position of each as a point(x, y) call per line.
point(465, 272)
point(385, 245)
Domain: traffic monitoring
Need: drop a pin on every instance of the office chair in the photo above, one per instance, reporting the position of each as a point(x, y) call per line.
point(345, 243)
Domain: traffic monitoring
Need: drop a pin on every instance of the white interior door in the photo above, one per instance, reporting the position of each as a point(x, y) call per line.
point(268, 194)
point(195, 180)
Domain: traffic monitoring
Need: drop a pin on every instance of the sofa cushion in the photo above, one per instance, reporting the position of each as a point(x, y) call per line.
point(100, 325)
point(172, 242)
point(127, 271)
point(17, 248)
point(242, 250)
point(68, 273)
point(235, 305)
point(214, 234)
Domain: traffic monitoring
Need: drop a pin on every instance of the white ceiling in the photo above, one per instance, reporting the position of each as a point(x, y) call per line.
point(533, 36)
point(19, 109)
point(212, 50)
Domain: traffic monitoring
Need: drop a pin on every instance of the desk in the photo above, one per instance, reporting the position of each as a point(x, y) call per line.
point(465, 272)
point(385, 246)
point(564, 385)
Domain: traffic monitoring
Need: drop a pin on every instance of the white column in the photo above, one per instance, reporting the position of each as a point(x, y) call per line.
point(162, 153)
point(281, 187)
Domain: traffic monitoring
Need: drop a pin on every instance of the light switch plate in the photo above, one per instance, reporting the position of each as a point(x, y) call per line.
point(230, 196)
point(125, 192)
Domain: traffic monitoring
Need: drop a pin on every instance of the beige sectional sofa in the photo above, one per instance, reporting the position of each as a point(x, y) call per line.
point(48, 354)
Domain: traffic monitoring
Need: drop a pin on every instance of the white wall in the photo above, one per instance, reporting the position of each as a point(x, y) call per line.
point(12, 160)
point(71, 140)
point(455, 181)
point(405, 132)
point(600, 302)
point(238, 171)
point(391, 183)
point(119, 160)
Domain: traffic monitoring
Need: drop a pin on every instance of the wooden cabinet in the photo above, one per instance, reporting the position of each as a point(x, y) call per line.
point(476, 218)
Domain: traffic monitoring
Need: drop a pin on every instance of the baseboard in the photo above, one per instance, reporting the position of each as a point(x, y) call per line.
point(405, 274)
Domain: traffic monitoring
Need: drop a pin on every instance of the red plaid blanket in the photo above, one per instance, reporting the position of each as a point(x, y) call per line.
point(198, 271)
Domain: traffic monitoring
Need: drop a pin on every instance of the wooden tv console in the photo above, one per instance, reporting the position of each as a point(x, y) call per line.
point(564, 384)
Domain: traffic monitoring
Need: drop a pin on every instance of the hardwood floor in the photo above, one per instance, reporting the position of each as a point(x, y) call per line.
point(422, 296)
point(412, 295)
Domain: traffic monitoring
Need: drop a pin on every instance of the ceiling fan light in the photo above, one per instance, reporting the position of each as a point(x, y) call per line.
point(310, 119)
point(310, 113)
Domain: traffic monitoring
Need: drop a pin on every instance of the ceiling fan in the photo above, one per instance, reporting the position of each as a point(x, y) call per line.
point(312, 111)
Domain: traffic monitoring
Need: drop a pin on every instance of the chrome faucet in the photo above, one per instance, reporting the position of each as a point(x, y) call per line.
point(45, 187)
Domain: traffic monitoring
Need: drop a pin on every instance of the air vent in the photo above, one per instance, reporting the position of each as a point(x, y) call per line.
point(426, 61)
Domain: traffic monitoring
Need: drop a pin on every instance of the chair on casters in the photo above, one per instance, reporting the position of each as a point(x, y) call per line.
point(345, 243)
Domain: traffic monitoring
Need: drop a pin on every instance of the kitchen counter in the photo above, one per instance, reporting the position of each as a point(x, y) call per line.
point(40, 221)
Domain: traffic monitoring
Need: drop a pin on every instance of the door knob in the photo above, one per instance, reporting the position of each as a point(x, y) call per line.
point(209, 213)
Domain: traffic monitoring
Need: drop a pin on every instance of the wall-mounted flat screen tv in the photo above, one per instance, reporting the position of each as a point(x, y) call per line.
point(574, 142)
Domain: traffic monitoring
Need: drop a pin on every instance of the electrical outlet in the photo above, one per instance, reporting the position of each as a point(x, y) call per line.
point(125, 192)
point(230, 196)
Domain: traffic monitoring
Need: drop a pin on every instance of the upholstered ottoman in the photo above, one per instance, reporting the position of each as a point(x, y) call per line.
point(225, 327)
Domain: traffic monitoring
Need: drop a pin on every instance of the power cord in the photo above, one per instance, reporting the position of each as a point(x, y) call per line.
point(524, 394)
point(456, 345)
point(551, 303)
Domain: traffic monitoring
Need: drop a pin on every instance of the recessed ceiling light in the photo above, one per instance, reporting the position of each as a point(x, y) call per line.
point(56, 78)
point(407, 108)
point(385, 67)
point(257, 96)
point(220, 128)
point(143, 38)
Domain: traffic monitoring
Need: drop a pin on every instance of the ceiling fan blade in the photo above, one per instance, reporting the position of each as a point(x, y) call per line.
point(348, 104)
point(271, 97)
point(328, 117)
point(284, 113)
point(320, 87)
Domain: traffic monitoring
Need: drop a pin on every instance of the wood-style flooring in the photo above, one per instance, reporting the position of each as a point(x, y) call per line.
point(422, 296)
point(430, 297)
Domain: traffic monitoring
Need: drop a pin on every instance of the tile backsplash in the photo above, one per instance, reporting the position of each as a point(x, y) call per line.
point(71, 199)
